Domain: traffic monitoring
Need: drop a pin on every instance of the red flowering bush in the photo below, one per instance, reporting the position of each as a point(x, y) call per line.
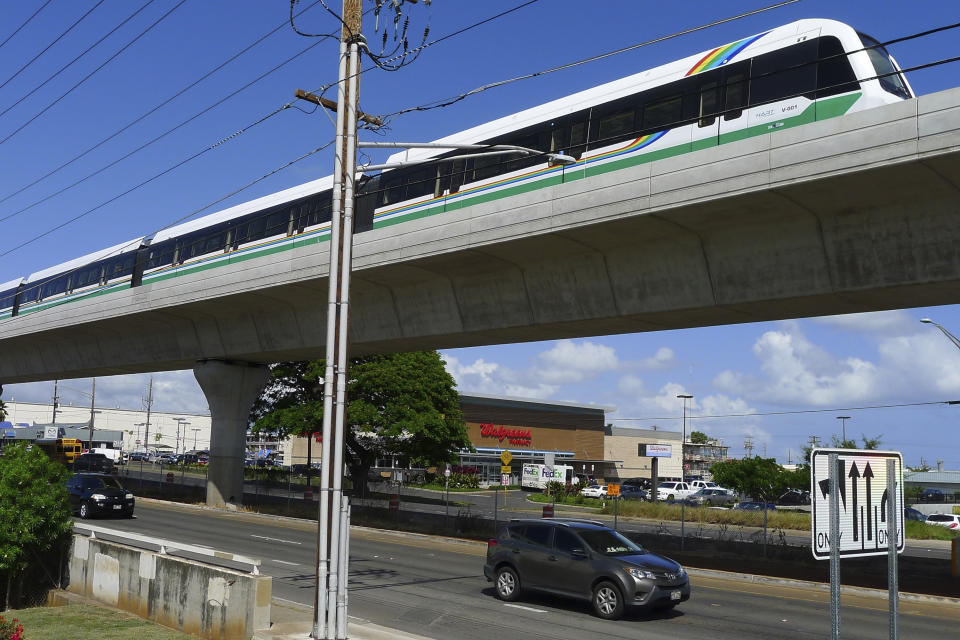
point(12, 630)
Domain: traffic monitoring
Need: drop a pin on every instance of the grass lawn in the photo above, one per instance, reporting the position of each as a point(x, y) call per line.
point(796, 520)
point(86, 622)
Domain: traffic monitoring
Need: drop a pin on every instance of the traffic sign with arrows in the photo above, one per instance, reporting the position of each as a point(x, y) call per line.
point(862, 485)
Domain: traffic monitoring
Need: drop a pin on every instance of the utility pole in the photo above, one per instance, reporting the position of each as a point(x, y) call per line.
point(748, 446)
point(56, 402)
point(146, 435)
point(330, 612)
point(93, 400)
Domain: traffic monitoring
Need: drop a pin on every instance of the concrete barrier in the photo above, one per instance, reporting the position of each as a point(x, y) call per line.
point(187, 595)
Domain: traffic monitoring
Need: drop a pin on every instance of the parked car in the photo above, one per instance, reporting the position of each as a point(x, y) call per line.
point(709, 497)
point(630, 492)
point(187, 458)
point(137, 456)
point(754, 506)
point(696, 485)
point(913, 514)
point(673, 490)
point(594, 491)
point(948, 520)
point(584, 560)
point(931, 495)
point(165, 458)
point(94, 494)
point(93, 462)
point(794, 497)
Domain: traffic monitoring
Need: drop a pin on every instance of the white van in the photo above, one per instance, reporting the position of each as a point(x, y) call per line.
point(115, 455)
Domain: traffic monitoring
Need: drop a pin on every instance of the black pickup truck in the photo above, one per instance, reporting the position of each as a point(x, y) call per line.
point(94, 462)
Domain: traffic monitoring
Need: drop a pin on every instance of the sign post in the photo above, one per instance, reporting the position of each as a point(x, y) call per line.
point(857, 510)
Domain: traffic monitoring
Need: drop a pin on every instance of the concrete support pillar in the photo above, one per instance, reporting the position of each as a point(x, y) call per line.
point(230, 389)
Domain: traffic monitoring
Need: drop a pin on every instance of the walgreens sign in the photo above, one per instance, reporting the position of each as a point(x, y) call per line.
point(518, 437)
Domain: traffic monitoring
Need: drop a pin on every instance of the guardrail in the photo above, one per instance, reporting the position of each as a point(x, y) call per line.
point(169, 544)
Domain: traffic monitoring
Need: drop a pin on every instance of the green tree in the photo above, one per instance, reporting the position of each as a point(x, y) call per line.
point(760, 478)
point(34, 511)
point(699, 437)
point(403, 404)
point(3, 411)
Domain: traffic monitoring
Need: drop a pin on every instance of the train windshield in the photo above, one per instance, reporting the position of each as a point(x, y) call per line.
point(890, 79)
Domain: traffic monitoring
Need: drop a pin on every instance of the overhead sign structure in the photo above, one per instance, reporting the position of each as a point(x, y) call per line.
point(864, 498)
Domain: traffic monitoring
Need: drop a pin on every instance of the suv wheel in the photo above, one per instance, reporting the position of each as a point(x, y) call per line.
point(84, 510)
point(508, 584)
point(607, 601)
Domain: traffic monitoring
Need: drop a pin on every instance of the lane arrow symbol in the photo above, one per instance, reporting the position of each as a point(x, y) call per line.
point(840, 483)
point(883, 505)
point(855, 475)
point(868, 478)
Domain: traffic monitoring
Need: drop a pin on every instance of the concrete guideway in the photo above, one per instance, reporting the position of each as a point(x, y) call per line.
point(798, 222)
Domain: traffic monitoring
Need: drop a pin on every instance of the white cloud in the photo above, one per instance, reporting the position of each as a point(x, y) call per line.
point(568, 362)
point(662, 359)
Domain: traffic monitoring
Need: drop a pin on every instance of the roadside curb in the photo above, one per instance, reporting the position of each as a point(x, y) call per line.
point(819, 586)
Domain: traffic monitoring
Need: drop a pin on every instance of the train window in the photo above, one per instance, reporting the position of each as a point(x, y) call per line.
point(457, 175)
point(709, 100)
point(85, 276)
point(784, 73)
point(616, 126)
point(485, 167)
point(392, 188)
point(891, 80)
point(735, 91)
point(54, 286)
point(578, 138)
point(215, 242)
point(30, 293)
point(834, 73)
point(161, 254)
point(277, 223)
point(663, 113)
point(420, 182)
point(6, 298)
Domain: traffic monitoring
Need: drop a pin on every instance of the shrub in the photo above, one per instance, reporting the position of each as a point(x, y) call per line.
point(464, 480)
point(12, 630)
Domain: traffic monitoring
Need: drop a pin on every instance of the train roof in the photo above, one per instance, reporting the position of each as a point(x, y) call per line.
point(619, 88)
point(76, 263)
point(280, 197)
point(13, 284)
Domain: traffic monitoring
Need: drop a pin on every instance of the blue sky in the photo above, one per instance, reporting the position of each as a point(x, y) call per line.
point(800, 365)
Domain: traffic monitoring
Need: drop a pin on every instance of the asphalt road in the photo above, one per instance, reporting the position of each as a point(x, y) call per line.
point(514, 504)
point(435, 587)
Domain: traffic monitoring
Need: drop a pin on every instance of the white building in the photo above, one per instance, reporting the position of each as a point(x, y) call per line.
point(174, 432)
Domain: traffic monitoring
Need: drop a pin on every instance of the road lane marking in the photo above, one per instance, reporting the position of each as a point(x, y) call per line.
point(292, 564)
point(520, 606)
point(275, 539)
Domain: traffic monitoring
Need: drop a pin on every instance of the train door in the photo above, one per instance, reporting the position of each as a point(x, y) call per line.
point(771, 90)
point(706, 96)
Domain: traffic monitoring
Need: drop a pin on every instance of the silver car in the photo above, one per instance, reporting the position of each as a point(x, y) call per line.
point(710, 497)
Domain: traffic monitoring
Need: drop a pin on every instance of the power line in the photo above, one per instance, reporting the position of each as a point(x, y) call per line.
point(89, 75)
point(25, 23)
point(228, 97)
point(796, 411)
point(157, 108)
point(144, 182)
point(55, 41)
point(446, 102)
point(85, 52)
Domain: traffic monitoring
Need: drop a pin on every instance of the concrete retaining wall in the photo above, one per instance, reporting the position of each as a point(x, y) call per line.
point(203, 600)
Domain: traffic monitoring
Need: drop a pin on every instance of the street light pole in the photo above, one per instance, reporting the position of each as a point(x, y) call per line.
point(843, 427)
point(93, 398)
point(683, 442)
point(952, 338)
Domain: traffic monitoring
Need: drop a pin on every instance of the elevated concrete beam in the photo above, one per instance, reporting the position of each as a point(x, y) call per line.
point(230, 389)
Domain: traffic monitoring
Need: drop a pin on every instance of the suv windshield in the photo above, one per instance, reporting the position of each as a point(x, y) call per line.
point(609, 543)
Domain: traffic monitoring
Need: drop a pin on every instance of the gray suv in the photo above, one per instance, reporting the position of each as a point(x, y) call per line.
point(585, 560)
